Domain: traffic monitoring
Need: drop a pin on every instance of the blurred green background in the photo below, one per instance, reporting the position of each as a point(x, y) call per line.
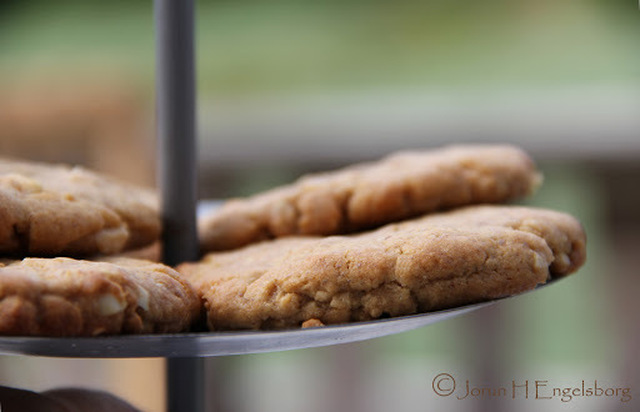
point(289, 87)
point(253, 46)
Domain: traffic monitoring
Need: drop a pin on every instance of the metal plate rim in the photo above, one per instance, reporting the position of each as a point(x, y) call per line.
point(203, 344)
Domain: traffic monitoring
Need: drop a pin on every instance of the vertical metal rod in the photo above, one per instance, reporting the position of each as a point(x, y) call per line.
point(185, 385)
point(175, 86)
point(175, 111)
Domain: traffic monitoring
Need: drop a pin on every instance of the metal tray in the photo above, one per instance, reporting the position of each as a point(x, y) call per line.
point(221, 343)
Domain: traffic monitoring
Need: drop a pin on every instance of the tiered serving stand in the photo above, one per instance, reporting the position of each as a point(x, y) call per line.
point(175, 85)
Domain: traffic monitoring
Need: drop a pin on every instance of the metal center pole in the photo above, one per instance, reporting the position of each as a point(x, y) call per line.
point(175, 100)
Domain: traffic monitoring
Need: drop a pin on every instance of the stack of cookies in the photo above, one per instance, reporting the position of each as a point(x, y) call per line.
point(52, 218)
point(414, 232)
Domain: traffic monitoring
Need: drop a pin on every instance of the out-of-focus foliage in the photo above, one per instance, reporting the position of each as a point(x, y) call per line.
point(300, 45)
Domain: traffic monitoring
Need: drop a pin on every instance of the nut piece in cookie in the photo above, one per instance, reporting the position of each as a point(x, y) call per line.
point(439, 261)
point(67, 297)
point(364, 196)
point(53, 210)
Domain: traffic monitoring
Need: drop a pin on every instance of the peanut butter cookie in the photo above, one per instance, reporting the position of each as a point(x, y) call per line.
point(67, 297)
point(438, 261)
point(56, 210)
point(364, 196)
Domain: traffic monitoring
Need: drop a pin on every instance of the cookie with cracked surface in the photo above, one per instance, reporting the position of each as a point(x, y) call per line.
point(68, 297)
point(367, 195)
point(55, 210)
point(442, 260)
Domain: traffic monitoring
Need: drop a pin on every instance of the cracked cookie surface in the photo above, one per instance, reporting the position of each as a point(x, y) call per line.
point(68, 297)
point(367, 195)
point(438, 261)
point(54, 210)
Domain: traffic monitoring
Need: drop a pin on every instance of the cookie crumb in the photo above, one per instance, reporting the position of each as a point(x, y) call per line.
point(312, 323)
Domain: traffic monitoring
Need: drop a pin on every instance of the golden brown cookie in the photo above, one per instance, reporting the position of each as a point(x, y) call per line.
point(67, 297)
point(49, 210)
point(438, 261)
point(364, 196)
